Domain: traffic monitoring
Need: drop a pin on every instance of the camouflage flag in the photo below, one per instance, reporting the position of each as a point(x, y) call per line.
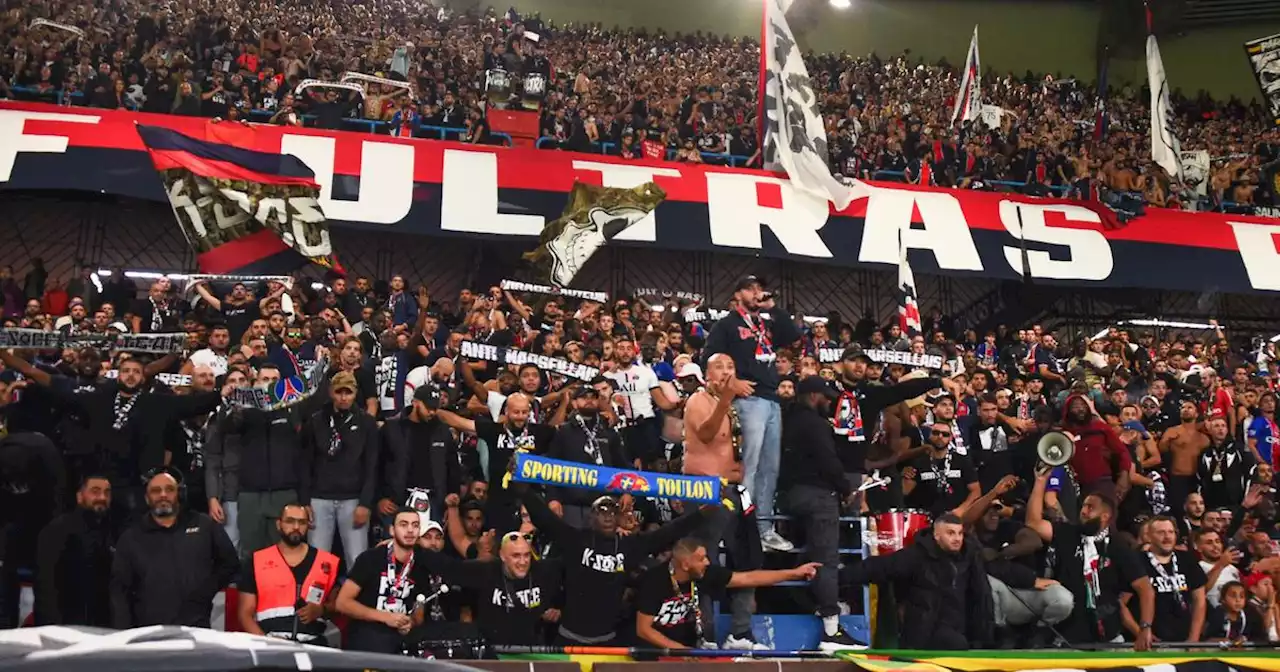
point(242, 211)
point(592, 217)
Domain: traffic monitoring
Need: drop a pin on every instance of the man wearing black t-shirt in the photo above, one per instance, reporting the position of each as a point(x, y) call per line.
point(239, 309)
point(667, 597)
point(1179, 584)
point(380, 595)
point(516, 434)
point(598, 560)
point(1095, 567)
point(941, 480)
point(512, 596)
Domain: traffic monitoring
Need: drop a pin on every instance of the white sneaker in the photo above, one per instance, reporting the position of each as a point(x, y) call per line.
point(708, 645)
point(735, 643)
point(772, 541)
point(579, 240)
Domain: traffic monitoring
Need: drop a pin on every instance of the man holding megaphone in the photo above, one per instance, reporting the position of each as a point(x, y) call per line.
point(1100, 460)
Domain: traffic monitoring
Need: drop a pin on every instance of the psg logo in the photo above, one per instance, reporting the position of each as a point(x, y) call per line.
point(289, 389)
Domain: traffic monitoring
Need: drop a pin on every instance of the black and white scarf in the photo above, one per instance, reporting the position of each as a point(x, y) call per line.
point(592, 445)
point(940, 475)
point(194, 432)
point(1170, 575)
point(123, 406)
point(159, 313)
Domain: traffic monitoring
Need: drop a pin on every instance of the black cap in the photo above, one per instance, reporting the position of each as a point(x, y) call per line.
point(427, 395)
point(855, 352)
point(585, 390)
point(815, 384)
point(605, 503)
point(747, 281)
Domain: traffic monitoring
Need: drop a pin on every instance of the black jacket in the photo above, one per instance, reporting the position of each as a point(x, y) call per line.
point(923, 575)
point(810, 449)
point(401, 458)
point(351, 472)
point(569, 445)
point(271, 443)
point(169, 575)
point(73, 570)
point(732, 336)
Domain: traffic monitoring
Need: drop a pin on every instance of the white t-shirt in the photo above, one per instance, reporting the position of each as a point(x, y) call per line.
point(416, 378)
point(207, 357)
point(1227, 575)
point(634, 387)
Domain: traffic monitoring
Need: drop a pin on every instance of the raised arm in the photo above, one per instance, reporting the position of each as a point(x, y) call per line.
point(202, 288)
point(27, 369)
point(1035, 509)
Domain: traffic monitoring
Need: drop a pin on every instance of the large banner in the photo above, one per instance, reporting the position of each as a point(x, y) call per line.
point(1264, 58)
point(380, 183)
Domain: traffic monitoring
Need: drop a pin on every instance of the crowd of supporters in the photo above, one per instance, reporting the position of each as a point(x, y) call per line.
point(134, 494)
point(693, 96)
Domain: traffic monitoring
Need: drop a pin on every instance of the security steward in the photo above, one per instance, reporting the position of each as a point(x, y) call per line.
point(170, 565)
point(287, 588)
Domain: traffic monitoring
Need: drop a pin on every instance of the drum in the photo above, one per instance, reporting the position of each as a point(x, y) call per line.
point(497, 87)
point(535, 89)
point(896, 528)
point(451, 649)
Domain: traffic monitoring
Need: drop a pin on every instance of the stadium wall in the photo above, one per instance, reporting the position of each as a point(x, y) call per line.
point(1057, 36)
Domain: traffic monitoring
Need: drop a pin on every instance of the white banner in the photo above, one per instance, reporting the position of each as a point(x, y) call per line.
point(795, 140)
point(908, 359)
point(1165, 149)
point(552, 290)
point(1195, 170)
point(969, 98)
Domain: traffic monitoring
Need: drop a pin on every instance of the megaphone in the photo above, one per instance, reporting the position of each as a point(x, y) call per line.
point(1055, 449)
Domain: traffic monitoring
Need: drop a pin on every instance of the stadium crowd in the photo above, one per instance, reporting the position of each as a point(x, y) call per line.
point(135, 494)
point(691, 96)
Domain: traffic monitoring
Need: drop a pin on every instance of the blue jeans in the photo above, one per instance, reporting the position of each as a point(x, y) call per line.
point(337, 515)
point(761, 421)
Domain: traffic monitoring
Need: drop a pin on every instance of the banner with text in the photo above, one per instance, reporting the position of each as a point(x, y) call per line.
point(881, 356)
point(505, 355)
point(39, 339)
point(546, 471)
point(1264, 58)
point(434, 187)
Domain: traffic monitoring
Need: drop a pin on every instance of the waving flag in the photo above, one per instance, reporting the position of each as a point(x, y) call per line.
point(242, 211)
point(1165, 149)
point(908, 309)
point(795, 140)
point(1100, 105)
point(969, 99)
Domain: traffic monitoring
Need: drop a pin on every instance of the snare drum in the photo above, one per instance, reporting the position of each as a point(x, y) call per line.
point(497, 86)
point(535, 85)
point(453, 649)
point(897, 528)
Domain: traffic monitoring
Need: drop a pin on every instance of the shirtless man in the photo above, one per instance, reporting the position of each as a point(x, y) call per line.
point(1186, 442)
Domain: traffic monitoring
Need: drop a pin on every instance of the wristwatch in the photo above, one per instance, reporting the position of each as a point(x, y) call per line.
point(1144, 626)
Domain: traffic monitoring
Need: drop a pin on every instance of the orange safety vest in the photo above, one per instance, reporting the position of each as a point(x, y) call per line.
point(278, 591)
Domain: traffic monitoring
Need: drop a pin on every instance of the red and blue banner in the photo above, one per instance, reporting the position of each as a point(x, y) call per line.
point(429, 187)
point(242, 211)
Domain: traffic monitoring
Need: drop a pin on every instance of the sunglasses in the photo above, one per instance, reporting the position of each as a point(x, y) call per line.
point(293, 334)
point(943, 434)
point(516, 536)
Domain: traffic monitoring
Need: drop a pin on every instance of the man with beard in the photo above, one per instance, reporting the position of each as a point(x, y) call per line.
point(639, 389)
point(518, 433)
point(1224, 468)
point(598, 560)
point(287, 588)
point(238, 310)
point(1179, 587)
point(73, 561)
point(1101, 462)
point(125, 422)
point(390, 370)
point(1182, 447)
point(751, 335)
point(585, 439)
point(417, 450)
point(381, 590)
point(1095, 567)
point(1217, 563)
point(215, 355)
point(941, 480)
point(944, 589)
point(169, 567)
point(819, 485)
point(859, 408)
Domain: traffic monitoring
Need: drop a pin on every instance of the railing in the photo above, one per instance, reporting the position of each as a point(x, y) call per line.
point(862, 550)
point(548, 142)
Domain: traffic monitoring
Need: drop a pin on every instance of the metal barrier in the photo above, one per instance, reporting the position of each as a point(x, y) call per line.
point(737, 161)
point(861, 551)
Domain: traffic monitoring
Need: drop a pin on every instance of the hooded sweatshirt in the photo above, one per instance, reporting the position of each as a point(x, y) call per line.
point(1099, 453)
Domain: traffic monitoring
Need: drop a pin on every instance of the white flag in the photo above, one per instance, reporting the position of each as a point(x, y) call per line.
point(795, 140)
point(1165, 149)
point(908, 308)
point(969, 98)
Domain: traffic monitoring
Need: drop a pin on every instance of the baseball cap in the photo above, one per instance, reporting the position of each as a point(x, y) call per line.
point(1135, 426)
point(604, 503)
point(815, 384)
point(854, 352)
point(344, 381)
point(747, 281)
point(431, 525)
point(691, 370)
point(427, 395)
point(585, 390)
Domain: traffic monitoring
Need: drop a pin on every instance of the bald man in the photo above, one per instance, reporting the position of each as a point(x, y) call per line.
point(169, 566)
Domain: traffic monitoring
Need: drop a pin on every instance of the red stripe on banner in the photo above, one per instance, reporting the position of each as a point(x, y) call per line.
point(241, 252)
point(165, 159)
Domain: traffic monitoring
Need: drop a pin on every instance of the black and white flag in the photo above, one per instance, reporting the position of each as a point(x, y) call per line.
point(795, 140)
point(1264, 58)
point(1165, 148)
point(504, 355)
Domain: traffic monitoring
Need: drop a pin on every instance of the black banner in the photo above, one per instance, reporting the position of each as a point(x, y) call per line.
point(504, 355)
point(1264, 58)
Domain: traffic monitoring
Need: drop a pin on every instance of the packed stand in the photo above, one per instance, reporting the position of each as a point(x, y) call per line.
point(137, 486)
point(689, 98)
